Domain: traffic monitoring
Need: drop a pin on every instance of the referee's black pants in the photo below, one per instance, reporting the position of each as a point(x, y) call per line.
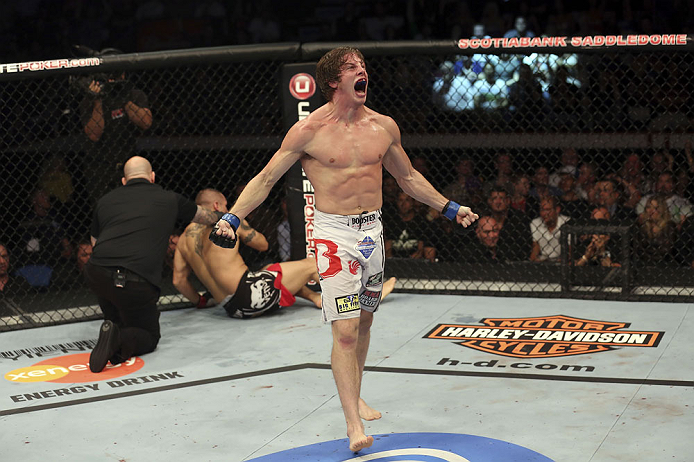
point(133, 308)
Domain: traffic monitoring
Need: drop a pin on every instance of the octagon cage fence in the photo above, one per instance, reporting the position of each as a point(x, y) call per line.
point(600, 124)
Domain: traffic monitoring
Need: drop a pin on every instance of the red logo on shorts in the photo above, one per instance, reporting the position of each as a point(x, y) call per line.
point(302, 86)
point(353, 266)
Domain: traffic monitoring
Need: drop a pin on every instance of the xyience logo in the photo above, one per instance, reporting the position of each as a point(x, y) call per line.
point(544, 337)
point(71, 369)
point(302, 86)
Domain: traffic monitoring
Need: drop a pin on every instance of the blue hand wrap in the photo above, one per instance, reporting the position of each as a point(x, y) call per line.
point(232, 219)
point(450, 210)
point(222, 241)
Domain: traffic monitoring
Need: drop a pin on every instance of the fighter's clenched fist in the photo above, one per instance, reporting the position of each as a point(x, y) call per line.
point(224, 232)
point(463, 215)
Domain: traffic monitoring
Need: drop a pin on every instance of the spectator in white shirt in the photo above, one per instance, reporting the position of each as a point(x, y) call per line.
point(545, 231)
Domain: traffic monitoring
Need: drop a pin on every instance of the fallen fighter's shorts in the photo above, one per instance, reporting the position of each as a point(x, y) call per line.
point(350, 256)
point(259, 292)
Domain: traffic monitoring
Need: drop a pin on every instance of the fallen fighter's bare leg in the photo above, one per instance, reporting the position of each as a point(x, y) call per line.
point(388, 287)
point(297, 273)
point(310, 295)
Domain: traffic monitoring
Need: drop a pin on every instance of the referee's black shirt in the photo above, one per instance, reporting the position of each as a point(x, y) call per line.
point(132, 225)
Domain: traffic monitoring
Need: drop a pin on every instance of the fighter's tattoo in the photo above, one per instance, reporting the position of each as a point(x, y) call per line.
point(195, 231)
point(249, 237)
point(205, 216)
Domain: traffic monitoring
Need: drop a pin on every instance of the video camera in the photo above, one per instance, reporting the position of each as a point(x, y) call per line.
point(113, 84)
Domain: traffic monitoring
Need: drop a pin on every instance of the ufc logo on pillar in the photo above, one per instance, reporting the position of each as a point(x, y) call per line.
point(302, 86)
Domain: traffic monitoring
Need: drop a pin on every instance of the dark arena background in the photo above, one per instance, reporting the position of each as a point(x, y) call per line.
point(551, 114)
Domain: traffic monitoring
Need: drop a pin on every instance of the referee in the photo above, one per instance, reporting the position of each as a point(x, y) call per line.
point(130, 234)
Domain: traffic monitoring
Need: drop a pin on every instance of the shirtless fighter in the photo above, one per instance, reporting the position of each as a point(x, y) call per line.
point(343, 146)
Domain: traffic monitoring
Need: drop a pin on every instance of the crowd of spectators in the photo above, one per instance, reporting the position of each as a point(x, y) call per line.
point(522, 211)
point(43, 249)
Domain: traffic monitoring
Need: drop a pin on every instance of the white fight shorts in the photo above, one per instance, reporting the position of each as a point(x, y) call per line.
point(350, 255)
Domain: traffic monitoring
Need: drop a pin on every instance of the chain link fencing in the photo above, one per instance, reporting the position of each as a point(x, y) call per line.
point(577, 160)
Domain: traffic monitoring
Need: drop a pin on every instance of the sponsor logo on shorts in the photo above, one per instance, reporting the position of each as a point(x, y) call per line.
point(347, 303)
point(366, 247)
point(370, 298)
point(362, 220)
point(544, 336)
point(375, 280)
point(353, 266)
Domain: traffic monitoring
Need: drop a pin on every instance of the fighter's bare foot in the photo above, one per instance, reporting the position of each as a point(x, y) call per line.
point(366, 412)
point(359, 442)
point(388, 287)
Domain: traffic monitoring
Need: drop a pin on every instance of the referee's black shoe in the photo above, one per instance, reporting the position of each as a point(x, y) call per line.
point(106, 346)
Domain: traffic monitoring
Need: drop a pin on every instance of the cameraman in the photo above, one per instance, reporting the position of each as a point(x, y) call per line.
point(113, 114)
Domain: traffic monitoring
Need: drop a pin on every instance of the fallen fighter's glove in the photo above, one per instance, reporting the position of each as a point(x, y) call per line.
point(225, 241)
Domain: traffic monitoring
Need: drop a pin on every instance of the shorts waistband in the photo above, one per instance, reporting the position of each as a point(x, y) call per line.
point(364, 220)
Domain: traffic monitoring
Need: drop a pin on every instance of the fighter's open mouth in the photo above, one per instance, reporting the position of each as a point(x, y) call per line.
point(360, 86)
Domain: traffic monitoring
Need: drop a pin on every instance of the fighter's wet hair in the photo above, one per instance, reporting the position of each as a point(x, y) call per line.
point(329, 67)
